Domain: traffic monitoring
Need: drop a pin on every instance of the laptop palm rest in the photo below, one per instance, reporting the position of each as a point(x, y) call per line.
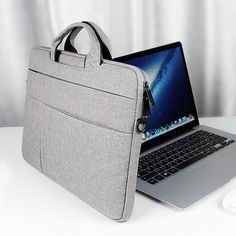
point(195, 182)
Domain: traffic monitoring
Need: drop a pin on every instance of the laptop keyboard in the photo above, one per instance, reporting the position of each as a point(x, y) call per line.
point(168, 160)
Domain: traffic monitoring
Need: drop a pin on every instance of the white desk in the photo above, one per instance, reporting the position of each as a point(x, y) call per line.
point(31, 204)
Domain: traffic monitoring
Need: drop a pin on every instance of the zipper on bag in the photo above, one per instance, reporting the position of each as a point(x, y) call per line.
point(148, 102)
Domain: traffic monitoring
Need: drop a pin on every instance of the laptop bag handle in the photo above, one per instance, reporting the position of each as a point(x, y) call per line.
point(93, 58)
point(103, 39)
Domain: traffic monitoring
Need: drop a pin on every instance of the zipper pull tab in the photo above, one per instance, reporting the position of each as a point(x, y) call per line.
point(148, 102)
point(148, 94)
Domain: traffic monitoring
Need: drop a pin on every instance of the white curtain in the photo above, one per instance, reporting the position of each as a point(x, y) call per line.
point(206, 29)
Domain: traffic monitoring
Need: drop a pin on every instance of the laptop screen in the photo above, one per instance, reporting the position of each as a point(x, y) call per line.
point(170, 87)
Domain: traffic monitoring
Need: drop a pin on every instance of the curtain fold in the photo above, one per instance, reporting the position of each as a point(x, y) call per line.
point(205, 28)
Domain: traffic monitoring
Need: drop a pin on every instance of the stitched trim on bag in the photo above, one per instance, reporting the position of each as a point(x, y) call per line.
point(79, 118)
point(82, 85)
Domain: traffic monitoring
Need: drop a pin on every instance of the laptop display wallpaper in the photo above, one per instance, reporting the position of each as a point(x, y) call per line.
point(170, 88)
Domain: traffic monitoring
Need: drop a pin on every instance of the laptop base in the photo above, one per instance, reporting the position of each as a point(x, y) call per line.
point(197, 180)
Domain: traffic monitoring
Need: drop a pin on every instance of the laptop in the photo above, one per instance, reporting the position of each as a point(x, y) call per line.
point(181, 161)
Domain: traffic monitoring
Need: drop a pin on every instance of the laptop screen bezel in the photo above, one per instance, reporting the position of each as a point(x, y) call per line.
point(179, 130)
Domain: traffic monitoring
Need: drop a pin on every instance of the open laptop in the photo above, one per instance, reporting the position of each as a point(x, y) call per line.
point(181, 161)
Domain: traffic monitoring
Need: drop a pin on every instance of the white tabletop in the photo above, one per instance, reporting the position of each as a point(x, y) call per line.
point(31, 204)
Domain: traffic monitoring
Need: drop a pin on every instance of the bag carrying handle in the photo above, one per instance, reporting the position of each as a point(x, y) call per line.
point(103, 39)
point(93, 58)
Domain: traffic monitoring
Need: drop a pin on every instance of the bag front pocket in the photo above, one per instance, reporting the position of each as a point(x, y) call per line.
point(89, 160)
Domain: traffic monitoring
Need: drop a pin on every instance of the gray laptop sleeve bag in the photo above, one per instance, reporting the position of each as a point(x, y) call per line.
point(84, 116)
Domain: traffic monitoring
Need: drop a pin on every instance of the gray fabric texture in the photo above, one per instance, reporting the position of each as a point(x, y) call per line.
point(80, 127)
